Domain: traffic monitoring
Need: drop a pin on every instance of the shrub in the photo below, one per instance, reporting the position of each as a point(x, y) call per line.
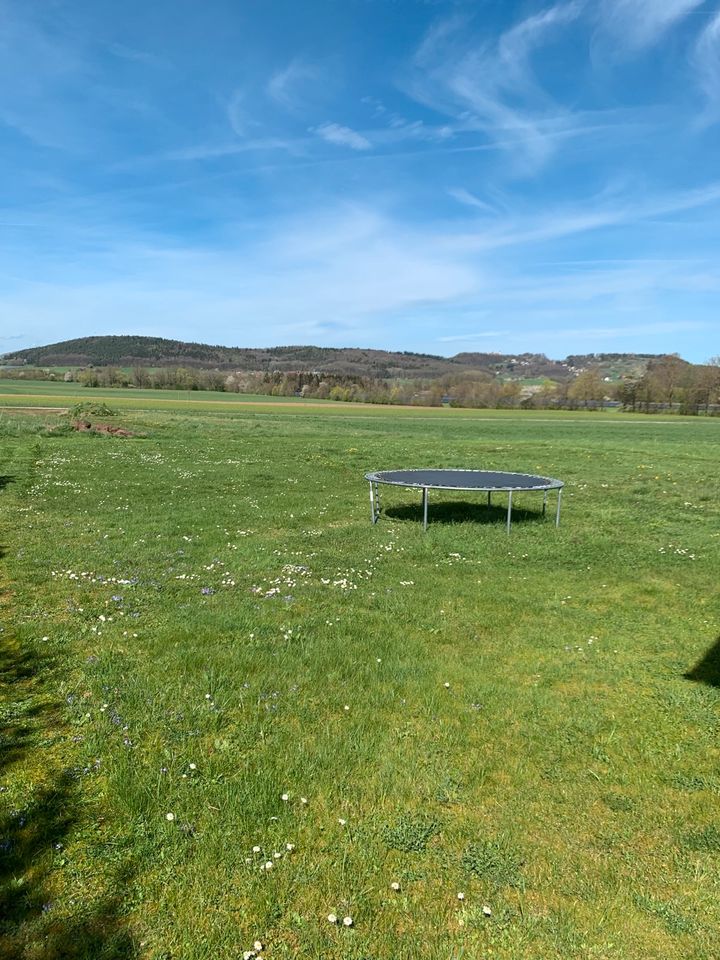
point(91, 409)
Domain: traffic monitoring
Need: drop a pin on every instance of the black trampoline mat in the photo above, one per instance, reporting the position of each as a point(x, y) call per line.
point(464, 480)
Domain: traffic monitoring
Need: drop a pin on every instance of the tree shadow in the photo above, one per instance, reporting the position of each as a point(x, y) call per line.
point(5, 480)
point(34, 831)
point(24, 713)
point(707, 670)
point(462, 511)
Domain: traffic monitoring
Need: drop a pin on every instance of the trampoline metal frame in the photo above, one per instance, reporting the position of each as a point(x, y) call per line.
point(375, 479)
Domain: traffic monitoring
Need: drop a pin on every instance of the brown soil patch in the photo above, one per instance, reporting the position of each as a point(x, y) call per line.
point(108, 428)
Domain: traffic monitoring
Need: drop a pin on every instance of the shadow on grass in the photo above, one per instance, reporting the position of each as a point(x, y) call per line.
point(23, 712)
point(707, 670)
point(5, 480)
point(33, 833)
point(461, 511)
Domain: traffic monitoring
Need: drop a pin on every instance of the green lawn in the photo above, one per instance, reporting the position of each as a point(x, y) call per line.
point(201, 620)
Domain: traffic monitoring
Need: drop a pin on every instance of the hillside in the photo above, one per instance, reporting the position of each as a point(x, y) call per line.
point(130, 351)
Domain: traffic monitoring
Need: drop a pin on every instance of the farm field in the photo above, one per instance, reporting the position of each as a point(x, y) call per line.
point(49, 393)
point(45, 395)
point(232, 707)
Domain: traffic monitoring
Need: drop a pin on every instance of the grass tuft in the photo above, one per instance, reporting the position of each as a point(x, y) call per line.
point(704, 840)
point(410, 833)
point(495, 861)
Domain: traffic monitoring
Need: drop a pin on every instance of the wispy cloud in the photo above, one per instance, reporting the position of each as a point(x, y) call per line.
point(137, 56)
point(486, 174)
point(237, 113)
point(552, 334)
point(288, 87)
point(631, 330)
point(468, 199)
point(296, 274)
point(306, 277)
point(706, 60)
point(211, 151)
point(342, 136)
point(492, 86)
point(641, 23)
point(37, 66)
point(470, 337)
point(585, 218)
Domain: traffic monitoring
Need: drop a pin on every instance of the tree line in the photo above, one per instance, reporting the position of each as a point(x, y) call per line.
point(668, 383)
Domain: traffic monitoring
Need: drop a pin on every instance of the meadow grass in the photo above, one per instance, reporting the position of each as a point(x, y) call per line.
point(41, 393)
point(201, 620)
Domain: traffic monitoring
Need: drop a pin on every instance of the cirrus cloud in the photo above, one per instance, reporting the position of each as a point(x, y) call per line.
point(342, 136)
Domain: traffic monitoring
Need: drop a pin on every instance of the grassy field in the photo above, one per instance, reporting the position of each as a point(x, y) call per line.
point(212, 662)
point(33, 393)
point(45, 395)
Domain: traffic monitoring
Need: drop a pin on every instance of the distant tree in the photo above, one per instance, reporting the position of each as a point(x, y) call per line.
point(627, 393)
point(704, 388)
point(587, 389)
point(667, 378)
point(140, 376)
point(509, 394)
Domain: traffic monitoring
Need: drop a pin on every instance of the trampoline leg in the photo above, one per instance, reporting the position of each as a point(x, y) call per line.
point(545, 503)
point(557, 515)
point(509, 510)
point(489, 499)
point(425, 500)
point(373, 517)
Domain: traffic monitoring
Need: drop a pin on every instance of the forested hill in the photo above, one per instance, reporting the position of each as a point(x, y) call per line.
point(128, 351)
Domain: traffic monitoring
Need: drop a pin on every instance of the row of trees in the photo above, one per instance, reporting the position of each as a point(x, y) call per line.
point(668, 383)
point(674, 383)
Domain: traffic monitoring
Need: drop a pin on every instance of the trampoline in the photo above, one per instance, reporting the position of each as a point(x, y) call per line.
point(484, 481)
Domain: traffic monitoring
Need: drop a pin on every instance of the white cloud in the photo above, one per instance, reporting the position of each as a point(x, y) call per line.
point(560, 223)
point(342, 136)
point(346, 274)
point(470, 337)
point(350, 268)
point(642, 23)
point(286, 86)
point(210, 151)
point(492, 88)
point(237, 114)
point(706, 60)
point(137, 56)
point(468, 199)
point(38, 64)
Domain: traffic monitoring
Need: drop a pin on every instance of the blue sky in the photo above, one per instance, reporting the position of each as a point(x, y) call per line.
point(434, 176)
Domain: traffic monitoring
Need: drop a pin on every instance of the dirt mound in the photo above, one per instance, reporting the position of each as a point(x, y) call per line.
point(108, 428)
